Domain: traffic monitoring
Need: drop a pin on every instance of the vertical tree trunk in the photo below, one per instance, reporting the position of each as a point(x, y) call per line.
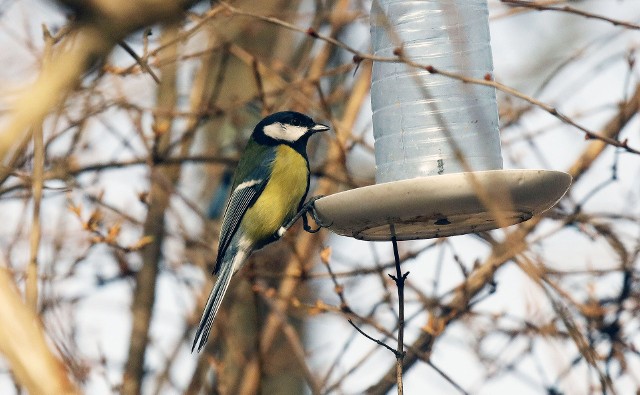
point(162, 181)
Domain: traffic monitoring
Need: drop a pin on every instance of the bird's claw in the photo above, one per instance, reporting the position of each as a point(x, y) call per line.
point(309, 208)
point(307, 227)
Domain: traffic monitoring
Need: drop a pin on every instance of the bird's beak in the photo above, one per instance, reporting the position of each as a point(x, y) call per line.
point(319, 128)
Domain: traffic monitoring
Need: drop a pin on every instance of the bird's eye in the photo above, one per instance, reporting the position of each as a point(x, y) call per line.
point(295, 122)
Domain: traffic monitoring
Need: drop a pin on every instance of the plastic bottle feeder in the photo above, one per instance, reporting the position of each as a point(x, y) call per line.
point(437, 143)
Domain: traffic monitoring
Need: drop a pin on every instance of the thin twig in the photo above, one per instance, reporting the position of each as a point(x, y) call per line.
point(310, 31)
point(325, 256)
point(399, 352)
point(143, 63)
point(379, 342)
point(570, 10)
point(399, 279)
point(260, 86)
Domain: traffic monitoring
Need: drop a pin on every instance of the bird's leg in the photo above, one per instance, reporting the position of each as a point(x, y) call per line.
point(308, 207)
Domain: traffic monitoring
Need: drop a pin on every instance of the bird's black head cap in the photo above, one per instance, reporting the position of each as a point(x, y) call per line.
point(286, 127)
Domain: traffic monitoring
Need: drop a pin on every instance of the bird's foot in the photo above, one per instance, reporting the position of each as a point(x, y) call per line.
point(308, 208)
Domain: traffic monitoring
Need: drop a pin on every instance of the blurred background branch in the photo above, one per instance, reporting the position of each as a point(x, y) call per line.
point(120, 127)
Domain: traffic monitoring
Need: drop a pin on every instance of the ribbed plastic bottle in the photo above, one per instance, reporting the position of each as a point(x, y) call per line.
point(417, 115)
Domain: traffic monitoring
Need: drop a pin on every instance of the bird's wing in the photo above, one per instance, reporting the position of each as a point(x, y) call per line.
point(252, 175)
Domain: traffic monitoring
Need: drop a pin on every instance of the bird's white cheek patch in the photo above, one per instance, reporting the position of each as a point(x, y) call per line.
point(282, 132)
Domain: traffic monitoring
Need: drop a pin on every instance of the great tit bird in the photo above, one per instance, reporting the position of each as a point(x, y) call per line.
point(269, 188)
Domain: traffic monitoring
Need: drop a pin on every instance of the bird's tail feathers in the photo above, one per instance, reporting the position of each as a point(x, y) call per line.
point(213, 303)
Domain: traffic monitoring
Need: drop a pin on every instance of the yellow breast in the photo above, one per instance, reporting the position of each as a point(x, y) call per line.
point(280, 198)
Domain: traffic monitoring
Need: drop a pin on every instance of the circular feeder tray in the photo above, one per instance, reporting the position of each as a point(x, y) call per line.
point(438, 206)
